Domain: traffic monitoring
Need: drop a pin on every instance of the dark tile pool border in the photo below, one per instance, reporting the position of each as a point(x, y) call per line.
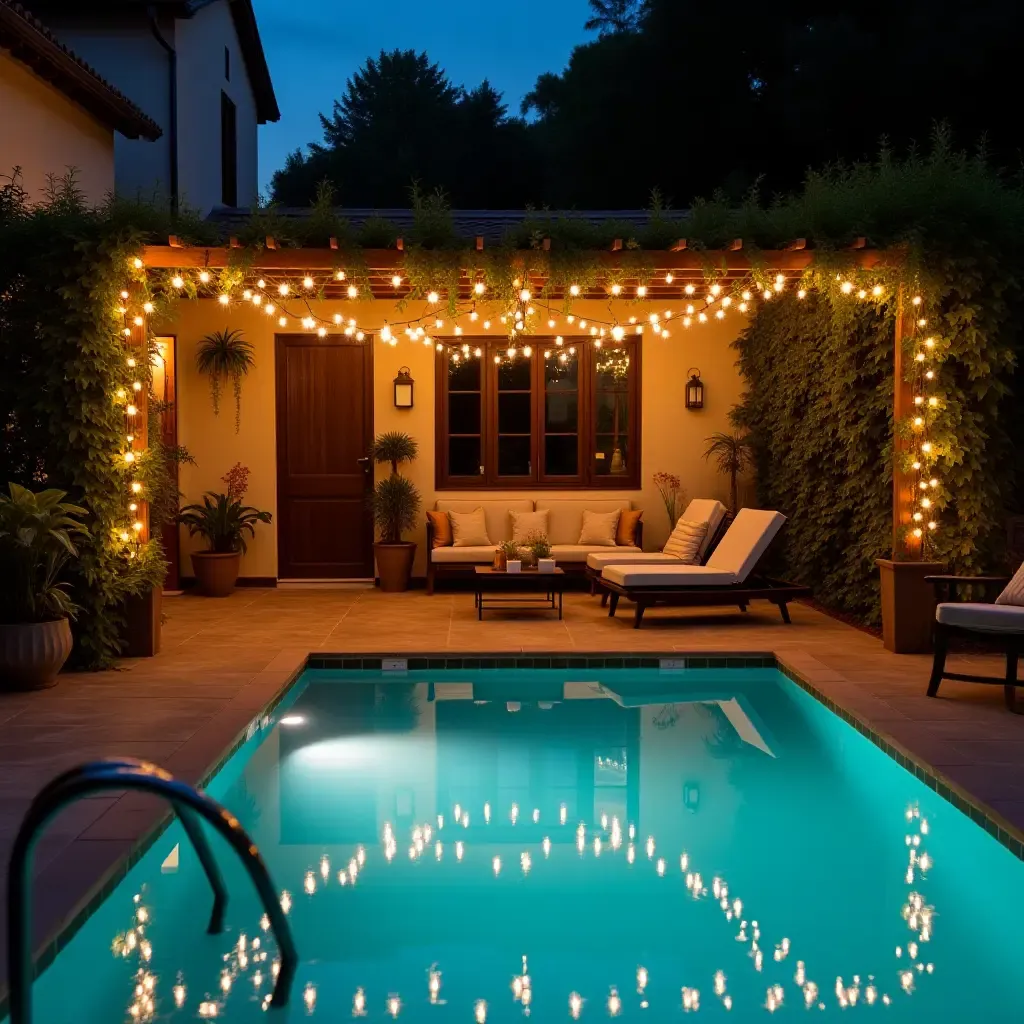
point(998, 827)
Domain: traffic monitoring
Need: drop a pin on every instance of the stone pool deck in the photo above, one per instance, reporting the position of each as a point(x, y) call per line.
point(223, 660)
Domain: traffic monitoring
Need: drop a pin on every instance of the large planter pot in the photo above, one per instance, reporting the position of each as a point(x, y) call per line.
point(394, 565)
point(216, 573)
point(32, 653)
point(908, 605)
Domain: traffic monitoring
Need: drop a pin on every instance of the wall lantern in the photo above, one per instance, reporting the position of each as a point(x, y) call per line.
point(403, 389)
point(694, 390)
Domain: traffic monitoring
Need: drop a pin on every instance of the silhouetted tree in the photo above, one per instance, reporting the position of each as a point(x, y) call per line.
point(613, 16)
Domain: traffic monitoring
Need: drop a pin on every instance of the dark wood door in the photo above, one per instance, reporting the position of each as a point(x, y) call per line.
point(324, 432)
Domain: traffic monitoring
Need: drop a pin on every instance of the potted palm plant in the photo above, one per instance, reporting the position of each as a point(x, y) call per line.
point(733, 453)
point(225, 355)
point(395, 502)
point(222, 521)
point(35, 608)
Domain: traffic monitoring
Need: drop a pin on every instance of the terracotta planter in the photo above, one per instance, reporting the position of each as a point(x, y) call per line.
point(32, 653)
point(908, 605)
point(216, 573)
point(394, 565)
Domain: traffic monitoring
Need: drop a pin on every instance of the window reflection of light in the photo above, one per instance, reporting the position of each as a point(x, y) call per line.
point(394, 1005)
point(575, 1005)
point(614, 1003)
point(309, 996)
point(286, 900)
point(480, 1011)
point(293, 720)
point(458, 850)
point(359, 1003)
point(561, 814)
point(487, 814)
point(546, 846)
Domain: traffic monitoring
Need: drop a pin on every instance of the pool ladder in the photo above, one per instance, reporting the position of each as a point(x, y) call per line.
point(189, 805)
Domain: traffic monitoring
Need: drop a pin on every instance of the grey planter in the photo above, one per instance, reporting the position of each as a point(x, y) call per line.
point(33, 653)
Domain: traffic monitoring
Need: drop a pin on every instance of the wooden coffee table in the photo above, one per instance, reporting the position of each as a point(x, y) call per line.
point(515, 590)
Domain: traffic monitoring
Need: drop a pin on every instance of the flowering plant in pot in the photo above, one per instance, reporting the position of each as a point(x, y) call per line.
point(35, 608)
point(222, 521)
point(395, 502)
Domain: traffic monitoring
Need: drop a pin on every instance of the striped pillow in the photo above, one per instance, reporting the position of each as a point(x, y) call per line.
point(1013, 593)
point(685, 541)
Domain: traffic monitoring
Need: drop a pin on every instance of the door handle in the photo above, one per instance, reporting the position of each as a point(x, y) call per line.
point(365, 463)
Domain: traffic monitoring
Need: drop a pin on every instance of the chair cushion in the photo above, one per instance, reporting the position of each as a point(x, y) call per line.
point(442, 529)
point(496, 510)
point(479, 555)
point(528, 524)
point(985, 618)
point(1013, 592)
point(685, 541)
point(705, 510)
point(599, 559)
point(566, 519)
point(625, 535)
point(746, 541)
point(469, 528)
point(580, 552)
point(598, 529)
point(680, 576)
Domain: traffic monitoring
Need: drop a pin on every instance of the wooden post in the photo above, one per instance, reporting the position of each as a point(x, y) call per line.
point(903, 544)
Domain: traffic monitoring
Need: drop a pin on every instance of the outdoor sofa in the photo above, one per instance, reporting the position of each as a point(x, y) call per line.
point(726, 579)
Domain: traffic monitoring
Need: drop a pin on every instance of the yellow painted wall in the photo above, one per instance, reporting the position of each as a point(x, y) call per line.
point(46, 133)
point(673, 437)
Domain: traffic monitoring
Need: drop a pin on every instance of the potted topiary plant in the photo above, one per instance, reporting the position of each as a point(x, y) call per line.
point(395, 502)
point(35, 609)
point(733, 453)
point(223, 521)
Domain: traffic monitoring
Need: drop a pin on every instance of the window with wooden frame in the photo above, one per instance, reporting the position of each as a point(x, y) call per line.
point(565, 416)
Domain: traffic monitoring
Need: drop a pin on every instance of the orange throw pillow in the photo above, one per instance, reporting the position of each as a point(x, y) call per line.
point(442, 529)
point(626, 533)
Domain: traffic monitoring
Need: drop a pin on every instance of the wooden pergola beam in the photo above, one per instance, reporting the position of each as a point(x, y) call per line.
point(310, 260)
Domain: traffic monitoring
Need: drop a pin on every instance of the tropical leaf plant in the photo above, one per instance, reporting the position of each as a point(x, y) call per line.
point(733, 453)
point(222, 521)
point(225, 355)
point(36, 528)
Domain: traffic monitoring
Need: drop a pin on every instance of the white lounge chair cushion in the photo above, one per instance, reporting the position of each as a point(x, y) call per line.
point(665, 575)
point(472, 555)
point(1013, 592)
point(629, 556)
point(580, 552)
point(685, 541)
point(746, 541)
point(705, 510)
point(985, 618)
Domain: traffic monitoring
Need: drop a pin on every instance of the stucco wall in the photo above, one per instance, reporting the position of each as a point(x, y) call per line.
point(46, 133)
point(672, 437)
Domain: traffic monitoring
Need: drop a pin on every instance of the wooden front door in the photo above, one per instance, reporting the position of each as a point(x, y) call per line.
point(324, 433)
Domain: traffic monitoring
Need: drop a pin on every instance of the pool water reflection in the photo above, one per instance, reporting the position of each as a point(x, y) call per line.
point(493, 845)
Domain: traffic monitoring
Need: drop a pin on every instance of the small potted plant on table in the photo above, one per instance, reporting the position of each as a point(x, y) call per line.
point(222, 521)
point(395, 503)
point(35, 609)
point(508, 552)
point(540, 550)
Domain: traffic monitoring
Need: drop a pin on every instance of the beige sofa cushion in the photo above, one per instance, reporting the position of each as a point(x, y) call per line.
point(985, 618)
point(746, 541)
point(565, 519)
point(469, 529)
point(528, 524)
point(599, 528)
point(579, 552)
point(496, 512)
point(665, 575)
point(480, 555)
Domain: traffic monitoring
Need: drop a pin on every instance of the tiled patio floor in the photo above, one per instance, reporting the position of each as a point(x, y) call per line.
point(223, 660)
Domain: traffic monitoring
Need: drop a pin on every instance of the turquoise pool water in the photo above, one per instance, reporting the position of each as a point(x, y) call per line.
point(494, 845)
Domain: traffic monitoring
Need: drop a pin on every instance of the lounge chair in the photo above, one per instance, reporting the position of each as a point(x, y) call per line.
point(700, 510)
point(727, 578)
point(1000, 625)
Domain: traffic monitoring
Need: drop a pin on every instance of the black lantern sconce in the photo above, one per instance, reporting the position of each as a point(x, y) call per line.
point(694, 390)
point(403, 389)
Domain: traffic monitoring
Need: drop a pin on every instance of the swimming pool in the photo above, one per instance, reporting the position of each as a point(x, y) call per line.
point(489, 845)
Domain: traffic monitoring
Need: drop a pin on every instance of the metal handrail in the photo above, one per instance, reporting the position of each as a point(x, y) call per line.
point(189, 804)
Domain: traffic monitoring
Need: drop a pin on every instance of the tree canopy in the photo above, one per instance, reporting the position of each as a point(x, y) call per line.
point(674, 96)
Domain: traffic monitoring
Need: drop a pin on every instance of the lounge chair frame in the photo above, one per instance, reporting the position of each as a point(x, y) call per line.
point(754, 588)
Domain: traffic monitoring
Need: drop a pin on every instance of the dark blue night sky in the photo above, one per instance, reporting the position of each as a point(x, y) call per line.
point(313, 46)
